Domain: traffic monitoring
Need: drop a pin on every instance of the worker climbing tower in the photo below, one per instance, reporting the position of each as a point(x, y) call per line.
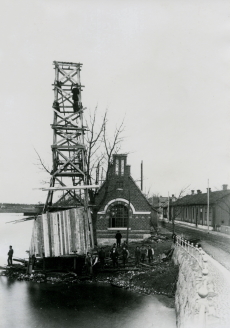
point(68, 175)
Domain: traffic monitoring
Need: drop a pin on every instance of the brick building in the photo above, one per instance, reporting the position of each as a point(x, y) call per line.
point(121, 204)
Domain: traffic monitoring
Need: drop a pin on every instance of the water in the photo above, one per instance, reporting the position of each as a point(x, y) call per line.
point(28, 304)
point(18, 235)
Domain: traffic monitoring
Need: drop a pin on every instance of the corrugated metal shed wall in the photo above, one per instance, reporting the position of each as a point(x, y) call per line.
point(61, 233)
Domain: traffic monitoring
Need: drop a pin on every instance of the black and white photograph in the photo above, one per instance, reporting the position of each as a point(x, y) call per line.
point(114, 164)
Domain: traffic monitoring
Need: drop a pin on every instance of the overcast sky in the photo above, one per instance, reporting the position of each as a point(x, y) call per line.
point(164, 65)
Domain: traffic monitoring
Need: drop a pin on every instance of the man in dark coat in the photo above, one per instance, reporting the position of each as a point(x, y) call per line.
point(143, 253)
point(137, 256)
point(150, 253)
point(114, 256)
point(76, 93)
point(101, 255)
point(118, 237)
point(10, 255)
point(125, 255)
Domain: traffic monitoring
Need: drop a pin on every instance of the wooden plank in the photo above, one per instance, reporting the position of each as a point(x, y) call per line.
point(62, 234)
point(59, 233)
point(82, 234)
point(52, 233)
point(55, 234)
point(41, 241)
point(77, 232)
point(46, 235)
point(73, 229)
point(86, 230)
point(90, 228)
point(68, 232)
point(72, 187)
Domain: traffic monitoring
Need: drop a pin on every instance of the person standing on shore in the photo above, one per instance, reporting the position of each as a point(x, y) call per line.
point(114, 257)
point(125, 255)
point(137, 256)
point(10, 256)
point(101, 255)
point(88, 264)
point(143, 253)
point(150, 253)
point(118, 237)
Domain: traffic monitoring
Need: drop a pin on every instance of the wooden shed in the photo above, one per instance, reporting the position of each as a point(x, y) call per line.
point(61, 233)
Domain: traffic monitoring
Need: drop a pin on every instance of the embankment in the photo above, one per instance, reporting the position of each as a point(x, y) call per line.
point(201, 301)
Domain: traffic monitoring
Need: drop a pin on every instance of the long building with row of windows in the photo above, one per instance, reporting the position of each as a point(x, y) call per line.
point(193, 209)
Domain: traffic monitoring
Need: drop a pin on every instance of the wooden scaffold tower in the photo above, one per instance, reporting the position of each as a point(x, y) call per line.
point(68, 175)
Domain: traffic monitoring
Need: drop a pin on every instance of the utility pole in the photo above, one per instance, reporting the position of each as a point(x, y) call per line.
point(141, 175)
point(208, 205)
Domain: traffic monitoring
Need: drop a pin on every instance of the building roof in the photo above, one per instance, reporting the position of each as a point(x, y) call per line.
point(201, 199)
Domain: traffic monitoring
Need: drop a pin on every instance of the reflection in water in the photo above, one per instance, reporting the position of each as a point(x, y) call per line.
point(24, 304)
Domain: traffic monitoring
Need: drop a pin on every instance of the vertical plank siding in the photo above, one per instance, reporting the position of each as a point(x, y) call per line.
point(61, 233)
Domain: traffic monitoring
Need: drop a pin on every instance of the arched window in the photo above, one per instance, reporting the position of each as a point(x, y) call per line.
point(118, 216)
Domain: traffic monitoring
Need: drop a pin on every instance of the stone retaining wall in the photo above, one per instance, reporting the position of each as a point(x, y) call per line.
point(192, 310)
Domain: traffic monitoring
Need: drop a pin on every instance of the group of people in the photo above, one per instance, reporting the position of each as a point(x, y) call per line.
point(75, 89)
point(95, 260)
point(141, 253)
point(114, 254)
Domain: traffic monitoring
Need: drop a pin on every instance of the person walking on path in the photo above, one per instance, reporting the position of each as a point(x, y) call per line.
point(118, 237)
point(114, 256)
point(101, 255)
point(10, 256)
point(137, 256)
point(150, 253)
point(125, 255)
point(143, 253)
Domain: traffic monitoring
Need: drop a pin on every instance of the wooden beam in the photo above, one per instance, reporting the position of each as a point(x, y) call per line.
point(71, 187)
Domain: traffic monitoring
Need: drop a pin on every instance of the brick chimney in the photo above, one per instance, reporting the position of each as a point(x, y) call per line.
point(225, 187)
point(192, 192)
point(199, 191)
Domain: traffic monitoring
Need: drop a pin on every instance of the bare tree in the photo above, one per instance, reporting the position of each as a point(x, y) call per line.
point(100, 149)
point(175, 210)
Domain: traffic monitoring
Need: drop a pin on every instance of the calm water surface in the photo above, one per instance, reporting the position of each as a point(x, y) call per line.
point(29, 305)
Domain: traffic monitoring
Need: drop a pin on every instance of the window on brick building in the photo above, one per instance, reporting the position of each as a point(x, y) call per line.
point(122, 167)
point(118, 216)
point(117, 167)
point(119, 184)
